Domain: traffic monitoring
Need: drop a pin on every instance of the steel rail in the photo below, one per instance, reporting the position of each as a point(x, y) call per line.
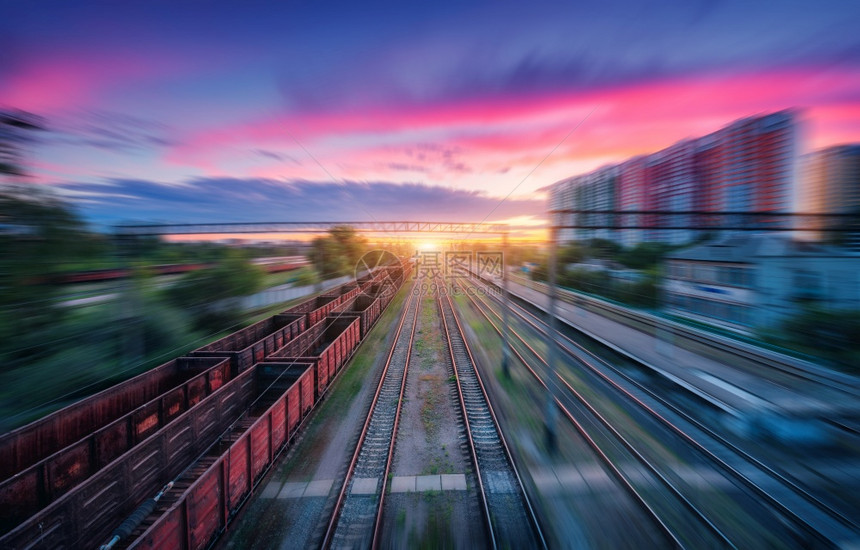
point(592, 444)
point(509, 456)
point(379, 507)
point(757, 357)
point(627, 445)
point(708, 454)
point(332, 524)
point(775, 472)
point(473, 452)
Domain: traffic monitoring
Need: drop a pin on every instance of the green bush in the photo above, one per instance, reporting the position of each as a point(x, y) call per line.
point(212, 295)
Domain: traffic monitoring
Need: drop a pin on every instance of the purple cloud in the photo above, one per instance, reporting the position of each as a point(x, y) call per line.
point(245, 200)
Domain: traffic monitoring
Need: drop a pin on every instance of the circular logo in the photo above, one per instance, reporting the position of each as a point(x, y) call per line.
point(386, 270)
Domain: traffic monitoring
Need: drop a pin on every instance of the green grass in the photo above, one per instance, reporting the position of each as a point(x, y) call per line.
point(437, 533)
point(430, 416)
point(439, 465)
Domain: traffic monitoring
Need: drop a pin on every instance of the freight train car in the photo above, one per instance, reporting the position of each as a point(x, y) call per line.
point(84, 516)
point(383, 291)
point(328, 345)
point(251, 344)
point(27, 445)
point(270, 265)
point(393, 273)
point(367, 308)
point(364, 281)
point(47, 480)
point(202, 502)
point(316, 308)
point(345, 292)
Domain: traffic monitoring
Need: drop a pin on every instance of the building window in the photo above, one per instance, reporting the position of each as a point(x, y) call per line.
point(702, 273)
point(807, 284)
point(749, 278)
point(740, 276)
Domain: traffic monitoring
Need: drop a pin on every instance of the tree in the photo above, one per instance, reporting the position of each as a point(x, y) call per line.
point(16, 128)
point(594, 282)
point(519, 254)
point(828, 330)
point(571, 253)
point(38, 236)
point(540, 272)
point(304, 277)
point(603, 249)
point(642, 293)
point(337, 253)
point(212, 295)
point(643, 255)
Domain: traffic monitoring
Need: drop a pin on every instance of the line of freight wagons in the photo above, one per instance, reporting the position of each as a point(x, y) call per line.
point(211, 423)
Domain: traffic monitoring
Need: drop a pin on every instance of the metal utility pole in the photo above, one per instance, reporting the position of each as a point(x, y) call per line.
point(506, 306)
point(318, 283)
point(551, 420)
point(664, 336)
point(128, 302)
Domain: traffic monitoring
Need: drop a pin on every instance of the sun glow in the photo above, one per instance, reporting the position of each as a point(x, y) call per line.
point(428, 246)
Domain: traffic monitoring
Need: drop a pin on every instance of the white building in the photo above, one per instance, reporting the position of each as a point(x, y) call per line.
point(831, 185)
point(561, 197)
point(745, 167)
point(751, 282)
point(592, 191)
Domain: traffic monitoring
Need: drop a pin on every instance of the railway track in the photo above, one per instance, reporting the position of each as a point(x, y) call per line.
point(699, 434)
point(852, 428)
point(817, 524)
point(775, 366)
point(508, 513)
point(355, 521)
point(509, 519)
point(637, 496)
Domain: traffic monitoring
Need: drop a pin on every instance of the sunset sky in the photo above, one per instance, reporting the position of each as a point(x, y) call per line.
point(212, 111)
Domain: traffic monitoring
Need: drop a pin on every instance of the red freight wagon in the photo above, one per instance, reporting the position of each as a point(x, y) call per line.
point(345, 292)
point(222, 479)
point(367, 308)
point(201, 510)
point(316, 308)
point(250, 345)
point(328, 344)
point(84, 516)
point(392, 273)
point(384, 291)
point(29, 444)
point(46, 480)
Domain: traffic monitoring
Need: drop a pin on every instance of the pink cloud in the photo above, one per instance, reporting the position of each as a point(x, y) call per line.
point(634, 120)
point(491, 135)
point(49, 83)
point(833, 124)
